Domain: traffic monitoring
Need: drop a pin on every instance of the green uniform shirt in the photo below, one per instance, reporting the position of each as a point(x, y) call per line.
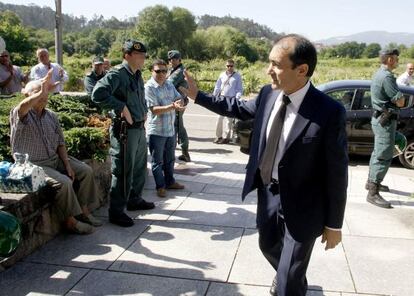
point(384, 90)
point(121, 87)
point(176, 76)
point(90, 80)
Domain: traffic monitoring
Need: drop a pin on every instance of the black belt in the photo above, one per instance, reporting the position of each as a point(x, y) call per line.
point(274, 186)
point(377, 113)
point(136, 124)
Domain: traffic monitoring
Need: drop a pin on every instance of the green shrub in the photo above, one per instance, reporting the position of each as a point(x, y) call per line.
point(87, 142)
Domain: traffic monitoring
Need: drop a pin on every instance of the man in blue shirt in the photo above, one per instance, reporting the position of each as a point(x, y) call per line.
point(163, 101)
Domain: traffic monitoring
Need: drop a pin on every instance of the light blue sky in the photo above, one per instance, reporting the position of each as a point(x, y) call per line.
point(315, 19)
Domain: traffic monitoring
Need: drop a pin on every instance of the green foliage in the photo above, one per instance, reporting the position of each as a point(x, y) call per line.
point(249, 27)
point(372, 50)
point(16, 37)
point(161, 29)
point(87, 142)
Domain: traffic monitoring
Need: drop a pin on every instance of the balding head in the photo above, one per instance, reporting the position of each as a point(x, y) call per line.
point(301, 51)
point(410, 69)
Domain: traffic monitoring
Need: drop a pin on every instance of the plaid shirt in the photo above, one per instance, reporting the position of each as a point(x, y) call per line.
point(160, 95)
point(37, 136)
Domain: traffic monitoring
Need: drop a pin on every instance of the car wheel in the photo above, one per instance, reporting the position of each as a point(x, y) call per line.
point(407, 158)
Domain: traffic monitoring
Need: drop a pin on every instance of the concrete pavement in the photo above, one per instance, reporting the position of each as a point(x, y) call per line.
point(202, 240)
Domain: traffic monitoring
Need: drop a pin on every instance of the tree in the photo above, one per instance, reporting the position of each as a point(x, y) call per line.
point(226, 42)
point(16, 37)
point(372, 50)
point(161, 29)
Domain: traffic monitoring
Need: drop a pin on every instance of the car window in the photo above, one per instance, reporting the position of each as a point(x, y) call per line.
point(344, 96)
point(409, 100)
point(362, 100)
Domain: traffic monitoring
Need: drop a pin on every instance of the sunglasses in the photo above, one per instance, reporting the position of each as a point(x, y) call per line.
point(4, 56)
point(229, 66)
point(160, 71)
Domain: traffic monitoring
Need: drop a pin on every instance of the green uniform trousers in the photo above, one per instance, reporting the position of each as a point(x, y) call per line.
point(182, 132)
point(135, 170)
point(382, 155)
point(67, 201)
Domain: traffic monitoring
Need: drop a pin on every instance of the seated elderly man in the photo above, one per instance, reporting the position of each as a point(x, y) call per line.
point(35, 130)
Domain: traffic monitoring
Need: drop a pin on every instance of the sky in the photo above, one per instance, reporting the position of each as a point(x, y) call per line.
point(315, 19)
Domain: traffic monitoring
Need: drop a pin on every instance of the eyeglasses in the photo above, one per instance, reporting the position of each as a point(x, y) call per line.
point(164, 71)
point(229, 66)
point(4, 56)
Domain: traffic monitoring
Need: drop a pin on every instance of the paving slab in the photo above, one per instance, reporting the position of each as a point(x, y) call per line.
point(39, 279)
point(369, 220)
point(97, 250)
point(216, 209)
point(250, 267)
point(182, 250)
point(221, 289)
point(381, 265)
point(250, 290)
point(98, 283)
point(329, 270)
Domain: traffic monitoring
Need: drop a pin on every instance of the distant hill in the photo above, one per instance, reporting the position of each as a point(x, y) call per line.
point(38, 17)
point(382, 37)
point(247, 26)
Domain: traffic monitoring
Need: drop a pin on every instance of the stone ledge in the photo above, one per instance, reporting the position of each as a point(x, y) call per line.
point(33, 210)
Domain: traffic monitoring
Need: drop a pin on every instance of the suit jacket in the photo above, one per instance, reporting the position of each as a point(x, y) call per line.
point(313, 171)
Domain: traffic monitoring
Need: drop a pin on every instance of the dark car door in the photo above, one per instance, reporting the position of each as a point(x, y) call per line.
point(362, 135)
point(346, 97)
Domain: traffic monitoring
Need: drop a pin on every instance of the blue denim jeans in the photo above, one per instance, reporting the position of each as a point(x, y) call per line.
point(162, 150)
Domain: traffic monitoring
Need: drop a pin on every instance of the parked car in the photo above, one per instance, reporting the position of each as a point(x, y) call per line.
point(355, 95)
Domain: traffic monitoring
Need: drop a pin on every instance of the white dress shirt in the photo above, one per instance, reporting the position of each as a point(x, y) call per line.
point(405, 79)
point(40, 70)
point(292, 109)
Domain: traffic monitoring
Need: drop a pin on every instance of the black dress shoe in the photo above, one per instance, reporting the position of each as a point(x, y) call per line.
point(379, 201)
point(273, 288)
point(142, 205)
point(121, 220)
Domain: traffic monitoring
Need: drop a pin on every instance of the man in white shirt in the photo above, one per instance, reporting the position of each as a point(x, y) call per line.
point(59, 75)
point(406, 78)
point(229, 84)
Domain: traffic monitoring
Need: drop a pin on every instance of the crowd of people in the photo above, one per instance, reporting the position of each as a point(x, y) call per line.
point(299, 197)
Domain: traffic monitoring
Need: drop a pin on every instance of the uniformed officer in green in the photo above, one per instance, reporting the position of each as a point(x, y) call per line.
point(176, 76)
point(95, 75)
point(386, 101)
point(122, 90)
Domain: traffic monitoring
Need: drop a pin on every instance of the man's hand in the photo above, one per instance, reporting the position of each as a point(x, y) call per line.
point(178, 106)
point(183, 91)
point(331, 237)
point(192, 86)
point(69, 171)
point(46, 84)
point(127, 115)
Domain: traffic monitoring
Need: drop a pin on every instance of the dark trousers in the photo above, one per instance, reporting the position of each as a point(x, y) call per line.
point(134, 172)
point(288, 257)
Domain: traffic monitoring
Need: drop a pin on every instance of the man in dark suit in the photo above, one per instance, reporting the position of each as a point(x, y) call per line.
point(298, 161)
